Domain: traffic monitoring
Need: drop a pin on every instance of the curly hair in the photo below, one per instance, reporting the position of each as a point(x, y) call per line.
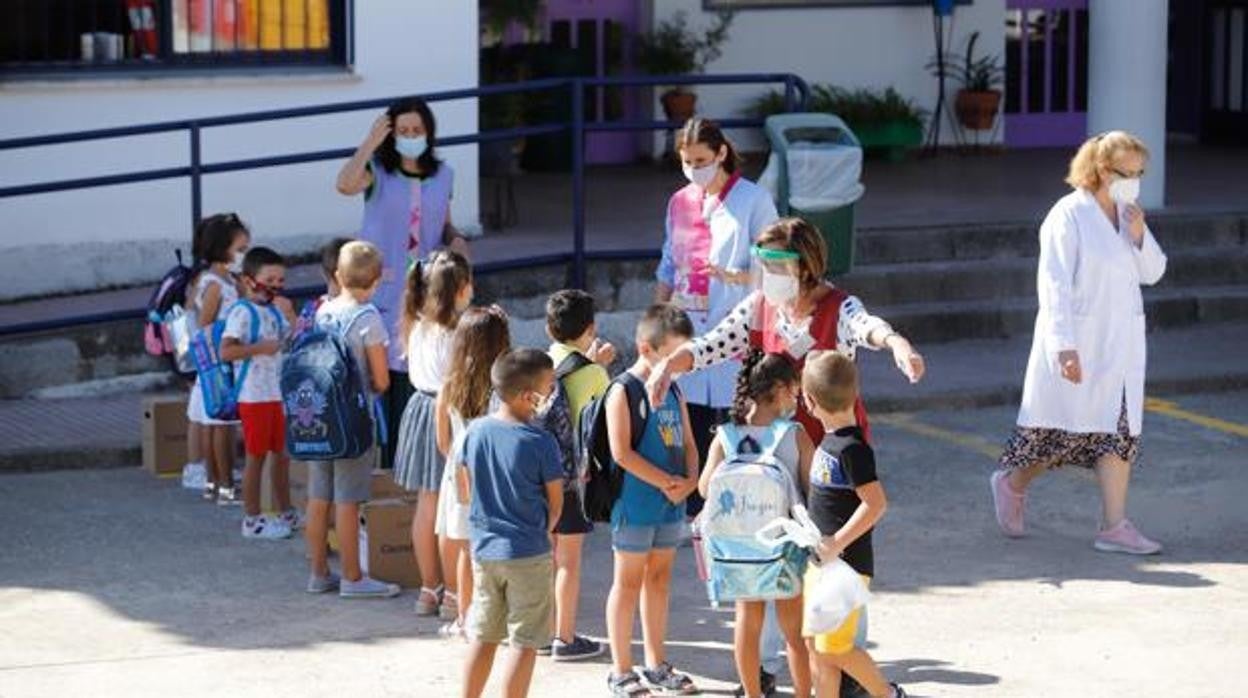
point(760, 375)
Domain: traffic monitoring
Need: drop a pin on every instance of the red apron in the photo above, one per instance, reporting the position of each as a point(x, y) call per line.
point(823, 327)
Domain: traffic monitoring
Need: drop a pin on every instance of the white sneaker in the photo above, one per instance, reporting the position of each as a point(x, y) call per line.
point(263, 528)
point(368, 588)
point(293, 518)
point(194, 476)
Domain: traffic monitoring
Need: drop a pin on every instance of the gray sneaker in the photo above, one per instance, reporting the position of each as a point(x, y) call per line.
point(323, 585)
point(368, 588)
point(579, 648)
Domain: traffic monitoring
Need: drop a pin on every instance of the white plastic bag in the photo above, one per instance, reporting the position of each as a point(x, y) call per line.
point(838, 591)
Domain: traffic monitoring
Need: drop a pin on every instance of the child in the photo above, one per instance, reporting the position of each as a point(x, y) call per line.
point(481, 337)
point(329, 268)
point(260, 395)
point(222, 239)
point(347, 482)
point(767, 390)
point(437, 292)
point(846, 501)
point(570, 324)
point(648, 519)
point(511, 476)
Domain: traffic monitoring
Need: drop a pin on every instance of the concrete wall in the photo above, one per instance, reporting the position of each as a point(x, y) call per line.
point(87, 239)
point(849, 47)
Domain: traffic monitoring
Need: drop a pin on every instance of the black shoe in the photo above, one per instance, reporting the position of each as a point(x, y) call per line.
point(766, 681)
point(851, 689)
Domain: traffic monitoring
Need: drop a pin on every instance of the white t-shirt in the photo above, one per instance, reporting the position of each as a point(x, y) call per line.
point(263, 380)
point(428, 356)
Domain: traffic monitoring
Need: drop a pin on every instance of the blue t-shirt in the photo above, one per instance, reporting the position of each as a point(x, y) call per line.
point(509, 465)
point(663, 444)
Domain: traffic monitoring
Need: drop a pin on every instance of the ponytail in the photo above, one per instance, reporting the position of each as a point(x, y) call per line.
point(760, 375)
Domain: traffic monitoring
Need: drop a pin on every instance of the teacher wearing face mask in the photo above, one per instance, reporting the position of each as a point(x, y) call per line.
point(710, 225)
point(1083, 396)
point(407, 214)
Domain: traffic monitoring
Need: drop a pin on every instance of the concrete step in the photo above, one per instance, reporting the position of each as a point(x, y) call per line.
point(982, 279)
point(1166, 308)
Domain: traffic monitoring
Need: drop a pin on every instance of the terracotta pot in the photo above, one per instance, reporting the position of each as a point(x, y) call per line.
point(977, 110)
point(679, 105)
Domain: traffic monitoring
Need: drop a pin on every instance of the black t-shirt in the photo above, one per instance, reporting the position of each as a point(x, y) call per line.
point(842, 463)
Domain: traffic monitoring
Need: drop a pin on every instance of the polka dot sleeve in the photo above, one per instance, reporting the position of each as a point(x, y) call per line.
point(729, 339)
point(856, 326)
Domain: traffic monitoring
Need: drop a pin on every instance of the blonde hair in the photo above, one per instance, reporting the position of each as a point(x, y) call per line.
point(831, 380)
point(1097, 154)
point(359, 265)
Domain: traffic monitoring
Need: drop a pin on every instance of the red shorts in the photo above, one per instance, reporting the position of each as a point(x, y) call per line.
point(264, 427)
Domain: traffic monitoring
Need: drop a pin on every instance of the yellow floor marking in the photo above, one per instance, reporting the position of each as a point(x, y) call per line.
point(1173, 411)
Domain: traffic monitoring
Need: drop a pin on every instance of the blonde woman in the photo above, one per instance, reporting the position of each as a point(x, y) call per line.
point(1083, 397)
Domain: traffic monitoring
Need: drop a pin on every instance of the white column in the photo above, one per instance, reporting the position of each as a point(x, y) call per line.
point(1127, 79)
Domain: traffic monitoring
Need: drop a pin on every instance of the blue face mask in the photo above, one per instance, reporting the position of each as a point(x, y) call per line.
point(411, 147)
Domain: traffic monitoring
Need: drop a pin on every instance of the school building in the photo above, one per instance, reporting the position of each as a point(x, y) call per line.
point(76, 65)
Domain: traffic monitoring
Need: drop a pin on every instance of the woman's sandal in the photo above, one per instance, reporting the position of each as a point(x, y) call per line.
point(428, 602)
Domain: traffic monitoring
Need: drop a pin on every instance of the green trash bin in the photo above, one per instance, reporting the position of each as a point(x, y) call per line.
point(827, 132)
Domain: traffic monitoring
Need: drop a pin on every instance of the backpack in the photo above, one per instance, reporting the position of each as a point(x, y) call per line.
point(217, 380)
point(556, 418)
point(166, 316)
point(748, 491)
point(603, 477)
point(329, 413)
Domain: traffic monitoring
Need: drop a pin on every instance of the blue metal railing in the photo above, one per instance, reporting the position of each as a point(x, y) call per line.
point(796, 94)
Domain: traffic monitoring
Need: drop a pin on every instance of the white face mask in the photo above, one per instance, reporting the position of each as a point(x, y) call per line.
point(701, 176)
point(779, 289)
point(1125, 190)
point(236, 263)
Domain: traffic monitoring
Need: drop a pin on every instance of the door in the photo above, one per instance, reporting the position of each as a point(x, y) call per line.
point(1226, 106)
point(602, 30)
point(1046, 73)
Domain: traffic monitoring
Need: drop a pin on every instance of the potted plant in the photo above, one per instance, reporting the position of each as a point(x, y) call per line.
point(979, 98)
point(672, 49)
point(499, 15)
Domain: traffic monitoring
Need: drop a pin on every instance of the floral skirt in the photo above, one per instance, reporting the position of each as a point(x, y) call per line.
point(1057, 447)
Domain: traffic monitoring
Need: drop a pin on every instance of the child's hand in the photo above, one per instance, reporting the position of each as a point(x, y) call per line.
point(268, 347)
point(602, 353)
point(829, 549)
point(677, 490)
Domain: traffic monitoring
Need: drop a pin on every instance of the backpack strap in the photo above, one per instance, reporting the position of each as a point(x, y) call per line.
point(255, 337)
point(779, 432)
point(635, 393)
point(571, 364)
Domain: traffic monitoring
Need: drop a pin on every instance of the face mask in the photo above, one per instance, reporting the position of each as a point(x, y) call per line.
point(779, 289)
point(236, 263)
point(1125, 190)
point(265, 293)
point(701, 176)
point(789, 412)
point(541, 402)
point(411, 147)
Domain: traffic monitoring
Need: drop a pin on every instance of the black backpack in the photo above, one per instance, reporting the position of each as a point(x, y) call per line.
point(557, 417)
point(605, 476)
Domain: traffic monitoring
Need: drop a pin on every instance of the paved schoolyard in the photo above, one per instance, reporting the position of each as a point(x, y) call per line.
point(113, 583)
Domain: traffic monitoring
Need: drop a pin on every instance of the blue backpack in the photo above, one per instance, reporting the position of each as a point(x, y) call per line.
point(217, 379)
point(329, 413)
point(749, 490)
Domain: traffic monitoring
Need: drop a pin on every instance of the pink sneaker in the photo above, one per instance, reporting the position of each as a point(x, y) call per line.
point(1125, 538)
point(1009, 505)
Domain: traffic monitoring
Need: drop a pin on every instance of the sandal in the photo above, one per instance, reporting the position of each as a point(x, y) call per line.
point(428, 602)
point(627, 686)
point(667, 681)
point(450, 606)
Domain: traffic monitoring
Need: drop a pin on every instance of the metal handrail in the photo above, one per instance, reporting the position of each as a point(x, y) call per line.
point(797, 95)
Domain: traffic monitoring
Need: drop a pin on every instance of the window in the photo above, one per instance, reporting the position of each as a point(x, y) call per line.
point(100, 36)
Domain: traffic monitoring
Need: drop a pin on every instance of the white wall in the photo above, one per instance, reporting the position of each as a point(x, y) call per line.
point(850, 47)
point(91, 238)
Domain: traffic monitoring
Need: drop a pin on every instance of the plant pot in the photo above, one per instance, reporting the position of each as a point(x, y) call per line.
point(977, 110)
point(679, 105)
point(892, 138)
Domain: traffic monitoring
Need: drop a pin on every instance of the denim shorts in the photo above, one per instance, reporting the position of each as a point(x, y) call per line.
point(630, 538)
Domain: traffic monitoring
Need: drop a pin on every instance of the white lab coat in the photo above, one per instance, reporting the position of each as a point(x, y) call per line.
point(1089, 281)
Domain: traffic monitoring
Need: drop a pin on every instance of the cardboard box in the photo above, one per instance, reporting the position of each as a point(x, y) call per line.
point(386, 534)
point(298, 487)
point(383, 486)
point(164, 434)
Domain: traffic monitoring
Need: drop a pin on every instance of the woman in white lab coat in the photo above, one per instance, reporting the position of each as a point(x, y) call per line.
point(1083, 397)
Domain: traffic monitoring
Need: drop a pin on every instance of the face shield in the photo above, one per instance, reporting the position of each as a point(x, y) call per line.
point(776, 274)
